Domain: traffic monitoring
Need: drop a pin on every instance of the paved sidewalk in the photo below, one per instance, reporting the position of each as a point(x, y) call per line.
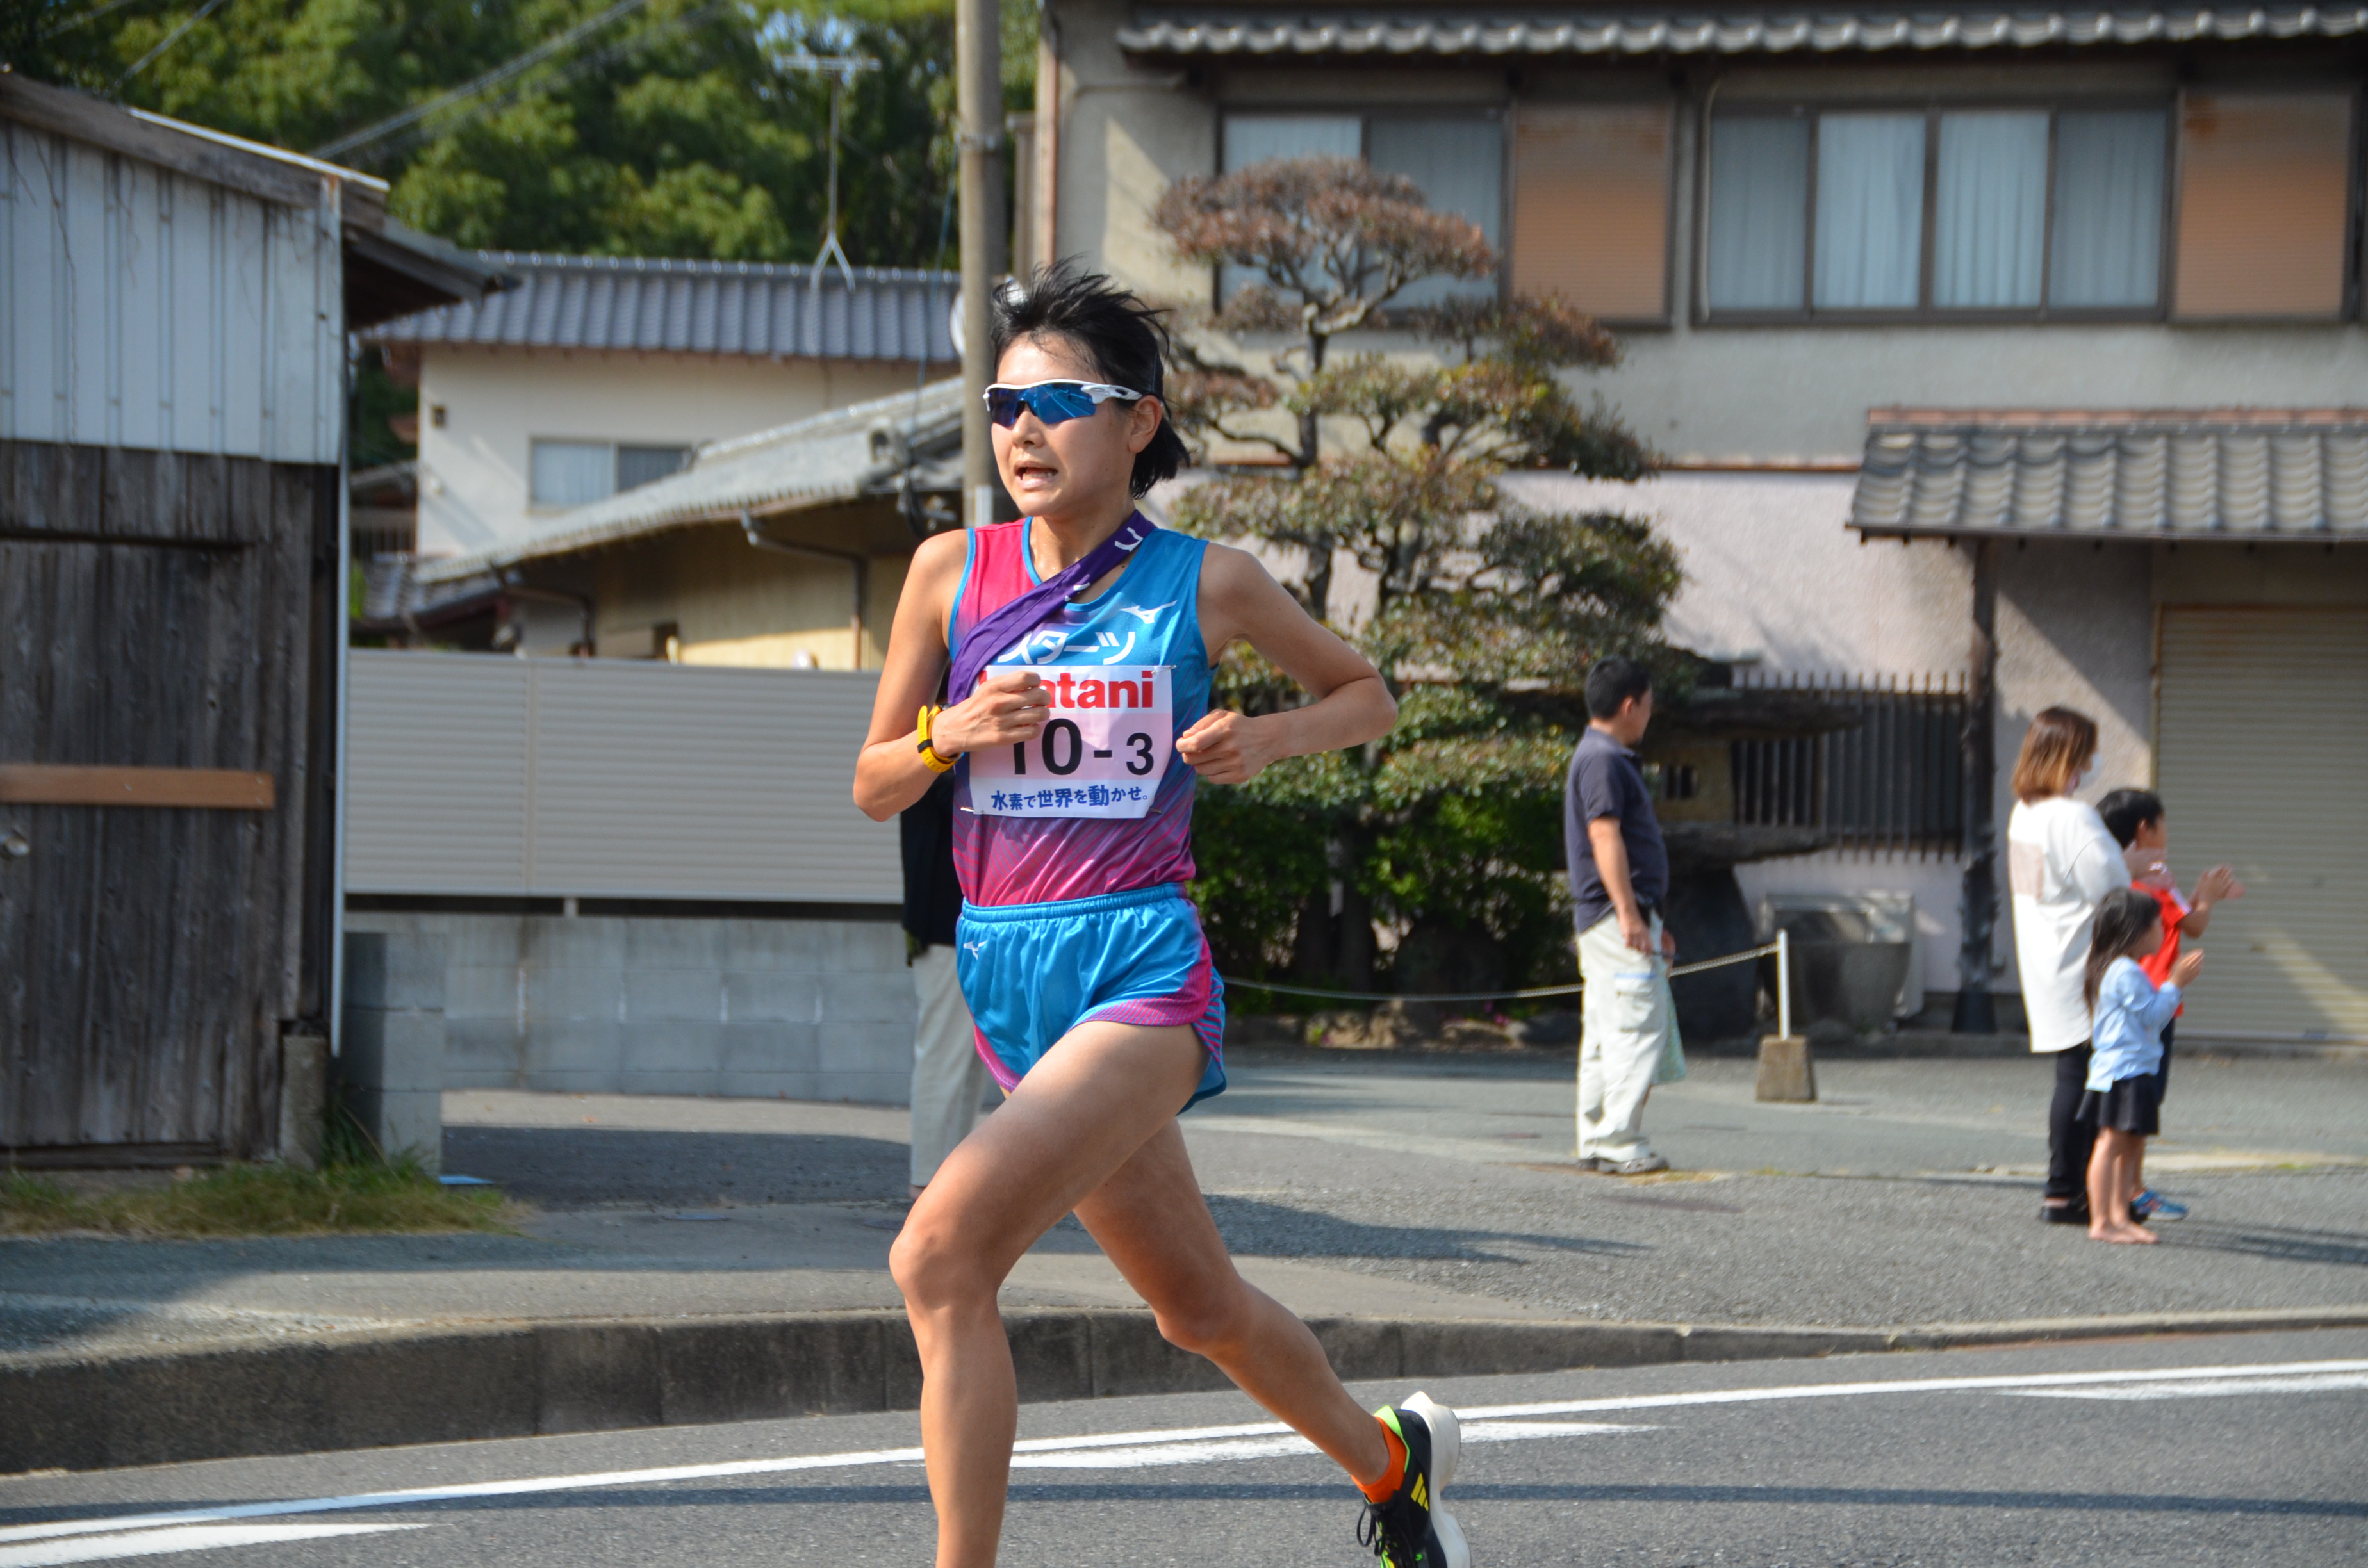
point(1349, 1185)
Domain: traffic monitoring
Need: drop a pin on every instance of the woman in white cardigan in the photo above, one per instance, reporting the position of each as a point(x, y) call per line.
point(2061, 862)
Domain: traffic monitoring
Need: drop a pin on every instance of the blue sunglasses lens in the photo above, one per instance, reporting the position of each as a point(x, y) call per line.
point(1052, 405)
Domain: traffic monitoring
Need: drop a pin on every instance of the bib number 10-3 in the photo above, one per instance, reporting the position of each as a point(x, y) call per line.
point(1102, 752)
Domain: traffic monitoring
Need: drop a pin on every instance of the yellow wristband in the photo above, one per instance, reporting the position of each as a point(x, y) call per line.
point(929, 757)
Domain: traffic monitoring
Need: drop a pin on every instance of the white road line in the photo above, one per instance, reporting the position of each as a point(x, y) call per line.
point(2280, 1374)
point(2204, 1388)
point(1208, 1452)
point(182, 1538)
point(2278, 1371)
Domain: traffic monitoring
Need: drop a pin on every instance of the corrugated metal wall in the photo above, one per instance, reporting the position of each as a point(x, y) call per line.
point(472, 774)
point(142, 308)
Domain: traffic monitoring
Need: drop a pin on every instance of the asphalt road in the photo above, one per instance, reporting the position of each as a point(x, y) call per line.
point(1353, 1183)
point(2229, 1449)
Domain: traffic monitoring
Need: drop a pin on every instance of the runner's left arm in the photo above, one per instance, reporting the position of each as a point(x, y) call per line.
point(1352, 705)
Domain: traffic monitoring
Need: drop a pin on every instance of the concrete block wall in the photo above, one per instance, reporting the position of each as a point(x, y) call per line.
point(800, 1009)
point(390, 1059)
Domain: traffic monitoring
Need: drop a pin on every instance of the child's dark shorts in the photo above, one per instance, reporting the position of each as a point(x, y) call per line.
point(2132, 1105)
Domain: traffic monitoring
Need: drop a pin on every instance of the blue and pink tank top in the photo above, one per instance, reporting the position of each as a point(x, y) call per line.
point(1085, 811)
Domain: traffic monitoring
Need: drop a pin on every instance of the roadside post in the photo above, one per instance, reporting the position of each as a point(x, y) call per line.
point(1786, 1072)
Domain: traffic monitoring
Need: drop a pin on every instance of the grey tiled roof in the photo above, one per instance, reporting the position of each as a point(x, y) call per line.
point(866, 448)
point(1385, 32)
point(2161, 473)
point(698, 307)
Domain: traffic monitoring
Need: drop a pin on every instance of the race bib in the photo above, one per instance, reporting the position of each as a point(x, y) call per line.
point(1101, 754)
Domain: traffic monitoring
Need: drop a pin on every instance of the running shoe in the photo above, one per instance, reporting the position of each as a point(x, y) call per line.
point(1411, 1530)
point(2153, 1205)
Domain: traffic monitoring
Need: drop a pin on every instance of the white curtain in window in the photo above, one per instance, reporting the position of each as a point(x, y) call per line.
point(571, 473)
point(1989, 222)
point(1758, 214)
point(1254, 138)
point(2108, 183)
point(1459, 167)
point(1870, 211)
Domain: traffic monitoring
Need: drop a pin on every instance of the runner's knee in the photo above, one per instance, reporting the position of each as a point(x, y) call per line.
point(932, 1267)
point(1208, 1322)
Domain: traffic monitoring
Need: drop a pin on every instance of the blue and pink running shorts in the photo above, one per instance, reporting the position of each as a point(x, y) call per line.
point(1033, 972)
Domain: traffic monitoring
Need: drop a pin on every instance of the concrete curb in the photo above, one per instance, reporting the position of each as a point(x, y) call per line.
point(404, 1386)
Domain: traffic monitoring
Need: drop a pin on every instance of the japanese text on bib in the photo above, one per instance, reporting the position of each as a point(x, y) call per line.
point(1101, 754)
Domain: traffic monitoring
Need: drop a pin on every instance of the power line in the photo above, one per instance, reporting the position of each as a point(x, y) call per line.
point(167, 41)
point(484, 83)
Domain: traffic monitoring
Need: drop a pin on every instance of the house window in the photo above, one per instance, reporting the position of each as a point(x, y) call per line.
point(2023, 211)
point(1592, 206)
point(577, 473)
point(2264, 204)
point(1457, 162)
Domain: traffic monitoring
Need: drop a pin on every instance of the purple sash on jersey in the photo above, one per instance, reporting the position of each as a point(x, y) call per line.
point(1006, 625)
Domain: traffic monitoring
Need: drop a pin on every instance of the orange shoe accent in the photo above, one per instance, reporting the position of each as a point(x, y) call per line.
point(1384, 1489)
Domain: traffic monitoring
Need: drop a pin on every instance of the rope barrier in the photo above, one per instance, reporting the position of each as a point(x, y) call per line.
point(1758, 952)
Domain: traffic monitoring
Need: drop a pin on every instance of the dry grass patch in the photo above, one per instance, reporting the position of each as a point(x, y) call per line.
point(364, 1198)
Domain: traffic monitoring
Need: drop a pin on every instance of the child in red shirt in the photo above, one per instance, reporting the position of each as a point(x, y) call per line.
point(2135, 819)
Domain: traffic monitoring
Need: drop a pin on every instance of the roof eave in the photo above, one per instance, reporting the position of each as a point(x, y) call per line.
point(2112, 536)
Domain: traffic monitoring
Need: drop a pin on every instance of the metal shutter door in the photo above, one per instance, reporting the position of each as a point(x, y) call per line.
point(2262, 756)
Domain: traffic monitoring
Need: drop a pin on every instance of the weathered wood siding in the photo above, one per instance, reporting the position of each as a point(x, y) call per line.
point(158, 609)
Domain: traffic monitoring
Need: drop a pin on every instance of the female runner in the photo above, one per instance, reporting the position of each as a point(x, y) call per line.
point(1079, 744)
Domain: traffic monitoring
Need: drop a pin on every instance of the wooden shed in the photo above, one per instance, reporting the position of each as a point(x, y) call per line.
point(174, 310)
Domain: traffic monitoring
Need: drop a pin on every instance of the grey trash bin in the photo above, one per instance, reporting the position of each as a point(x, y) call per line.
point(1854, 955)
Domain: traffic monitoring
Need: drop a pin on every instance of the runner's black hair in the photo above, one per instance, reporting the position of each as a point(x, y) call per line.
point(1123, 338)
point(2127, 811)
point(2123, 917)
point(1613, 682)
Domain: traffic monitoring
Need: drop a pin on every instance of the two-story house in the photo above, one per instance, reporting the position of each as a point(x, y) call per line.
point(2020, 349)
point(592, 378)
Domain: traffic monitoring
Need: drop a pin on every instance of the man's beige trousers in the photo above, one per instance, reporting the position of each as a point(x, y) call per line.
point(949, 1078)
point(1627, 1023)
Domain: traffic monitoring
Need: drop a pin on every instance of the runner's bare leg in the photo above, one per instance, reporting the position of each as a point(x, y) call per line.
point(1150, 1217)
point(1086, 1110)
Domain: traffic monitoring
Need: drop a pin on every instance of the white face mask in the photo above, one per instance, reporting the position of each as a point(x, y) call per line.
point(2079, 782)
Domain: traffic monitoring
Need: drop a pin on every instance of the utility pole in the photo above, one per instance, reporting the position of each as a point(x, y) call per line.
point(1976, 1012)
point(978, 70)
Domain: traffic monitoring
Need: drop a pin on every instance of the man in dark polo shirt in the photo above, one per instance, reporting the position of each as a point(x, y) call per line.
point(1619, 875)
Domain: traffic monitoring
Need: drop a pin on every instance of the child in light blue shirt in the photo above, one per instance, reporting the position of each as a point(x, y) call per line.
point(2125, 1029)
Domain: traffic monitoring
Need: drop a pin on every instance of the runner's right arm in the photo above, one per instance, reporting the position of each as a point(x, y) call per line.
point(890, 774)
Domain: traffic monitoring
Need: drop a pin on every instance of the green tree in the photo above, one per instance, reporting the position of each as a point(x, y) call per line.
point(678, 128)
point(1482, 614)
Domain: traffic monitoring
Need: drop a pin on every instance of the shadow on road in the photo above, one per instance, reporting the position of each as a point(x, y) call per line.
point(572, 1168)
point(1255, 1229)
point(2285, 1244)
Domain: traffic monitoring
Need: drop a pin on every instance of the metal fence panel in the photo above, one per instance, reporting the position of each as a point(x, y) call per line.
point(1894, 781)
point(473, 774)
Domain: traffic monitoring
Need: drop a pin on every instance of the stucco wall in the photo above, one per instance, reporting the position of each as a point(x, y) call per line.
point(1774, 577)
point(473, 468)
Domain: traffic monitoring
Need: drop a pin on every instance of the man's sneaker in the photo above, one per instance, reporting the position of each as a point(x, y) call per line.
point(1411, 1530)
point(2153, 1205)
point(1642, 1164)
point(2065, 1213)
